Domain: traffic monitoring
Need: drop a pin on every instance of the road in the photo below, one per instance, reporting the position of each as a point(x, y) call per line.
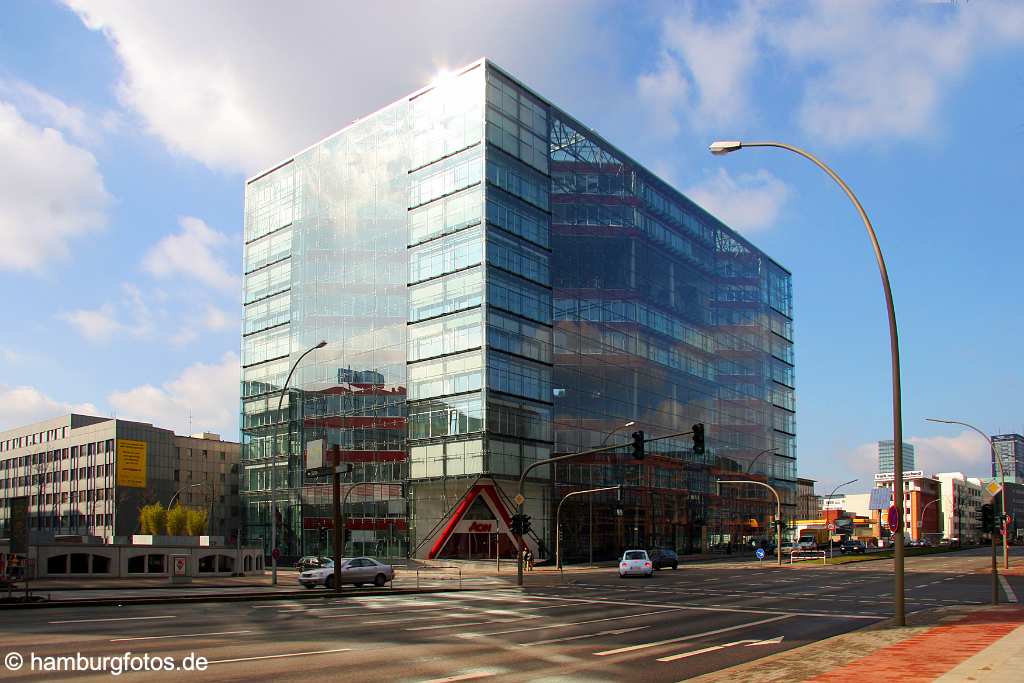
point(595, 627)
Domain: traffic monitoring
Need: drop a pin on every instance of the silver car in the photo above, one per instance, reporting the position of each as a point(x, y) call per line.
point(357, 571)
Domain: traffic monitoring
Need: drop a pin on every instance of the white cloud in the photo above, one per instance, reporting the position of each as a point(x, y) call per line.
point(748, 203)
point(130, 317)
point(965, 452)
point(704, 69)
point(50, 193)
point(191, 252)
point(861, 71)
point(95, 324)
point(239, 89)
point(217, 319)
point(209, 391)
point(41, 106)
point(25, 404)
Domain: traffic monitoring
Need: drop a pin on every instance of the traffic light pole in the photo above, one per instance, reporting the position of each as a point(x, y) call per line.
point(520, 498)
point(995, 571)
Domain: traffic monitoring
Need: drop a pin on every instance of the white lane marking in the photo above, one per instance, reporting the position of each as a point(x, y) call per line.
point(562, 625)
point(288, 654)
point(1010, 595)
point(613, 632)
point(89, 621)
point(462, 677)
point(406, 619)
point(471, 623)
point(180, 635)
point(694, 636)
point(684, 655)
point(706, 608)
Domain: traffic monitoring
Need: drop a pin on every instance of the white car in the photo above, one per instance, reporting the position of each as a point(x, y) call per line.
point(357, 571)
point(635, 563)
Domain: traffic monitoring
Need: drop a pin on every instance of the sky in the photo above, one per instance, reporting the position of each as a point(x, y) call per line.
point(127, 131)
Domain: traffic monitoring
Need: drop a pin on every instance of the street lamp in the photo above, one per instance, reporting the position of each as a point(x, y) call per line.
point(750, 465)
point(1002, 479)
point(778, 511)
point(273, 467)
point(190, 486)
point(727, 146)
point(845, 483)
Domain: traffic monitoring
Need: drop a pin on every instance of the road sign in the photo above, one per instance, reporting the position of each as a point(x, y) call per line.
point(316, 472)
point(180, 564)
point(760, 553)
point(831, 526)
point(894, 519)
point(993, 488)
point(519, 499)
point(276, 553)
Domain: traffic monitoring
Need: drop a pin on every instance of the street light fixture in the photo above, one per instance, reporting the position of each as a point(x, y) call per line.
point(273, 467)
point(170, 503)
point(845, 483)
point(1002, 478)
point(756, 457)
point(725, 147)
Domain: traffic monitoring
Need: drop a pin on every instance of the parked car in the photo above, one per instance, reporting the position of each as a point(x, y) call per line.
point(788, 547)
point(664, 557)
point(358, 571)
point(311, 562)
point(635, 563)
point(807, 543)
point(851, 546)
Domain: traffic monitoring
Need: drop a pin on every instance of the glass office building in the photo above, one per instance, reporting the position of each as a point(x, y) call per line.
point(497, 284)
point(886, 454)
point(1010, 448)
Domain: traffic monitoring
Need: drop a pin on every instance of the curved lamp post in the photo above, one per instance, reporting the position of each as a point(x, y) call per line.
point(558, 517)
point(845, 483)
point(273, 467)
point(778, 512)
point(1002, 478)
point(170, 503)
point(725, 147)
point(920, 522)
point(750, 465)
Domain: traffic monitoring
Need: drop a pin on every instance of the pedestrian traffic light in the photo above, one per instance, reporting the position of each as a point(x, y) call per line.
point(988, 518)
point(638, 445)
point(698, 438)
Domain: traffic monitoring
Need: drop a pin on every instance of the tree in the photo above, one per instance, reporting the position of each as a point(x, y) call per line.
point(153, 519)
point(196, 522)
point(177, 520)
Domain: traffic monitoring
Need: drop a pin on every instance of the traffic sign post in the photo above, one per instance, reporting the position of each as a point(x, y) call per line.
point(760, 556)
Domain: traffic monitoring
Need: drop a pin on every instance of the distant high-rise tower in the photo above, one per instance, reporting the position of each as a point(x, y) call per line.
point(1010, 448)
point(885, 456)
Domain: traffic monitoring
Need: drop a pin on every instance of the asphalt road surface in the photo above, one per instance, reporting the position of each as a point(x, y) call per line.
point(593, 627)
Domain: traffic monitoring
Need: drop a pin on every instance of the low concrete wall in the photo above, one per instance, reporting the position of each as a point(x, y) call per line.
point(139, 561)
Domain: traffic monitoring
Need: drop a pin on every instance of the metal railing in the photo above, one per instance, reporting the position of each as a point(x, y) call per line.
point(427, 570)
point(808, 555)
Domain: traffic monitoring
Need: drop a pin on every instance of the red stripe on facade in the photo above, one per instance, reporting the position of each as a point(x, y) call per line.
point(459, 512)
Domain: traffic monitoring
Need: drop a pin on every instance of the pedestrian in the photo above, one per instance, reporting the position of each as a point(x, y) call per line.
point(529, 560)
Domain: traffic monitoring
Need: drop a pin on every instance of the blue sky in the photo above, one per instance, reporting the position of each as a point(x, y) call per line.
point(127, 130)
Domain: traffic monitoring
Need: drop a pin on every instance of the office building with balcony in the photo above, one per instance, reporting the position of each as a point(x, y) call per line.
point(497, 284)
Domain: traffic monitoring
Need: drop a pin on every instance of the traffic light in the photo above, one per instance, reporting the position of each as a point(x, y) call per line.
point(698, 438)
point(517, 524)
point(526, 525)
point(638, 445)
point(988, 518)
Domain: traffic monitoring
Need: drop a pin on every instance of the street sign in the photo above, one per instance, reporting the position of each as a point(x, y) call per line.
point(894, 519)
point(180, 563)
point(276, 553)
point(831, 526)
point(993, 488)
point(316, 472)
point(519, 499)
point(760, 553)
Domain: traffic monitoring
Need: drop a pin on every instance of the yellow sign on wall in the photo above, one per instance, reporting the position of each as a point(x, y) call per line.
point(131, 463)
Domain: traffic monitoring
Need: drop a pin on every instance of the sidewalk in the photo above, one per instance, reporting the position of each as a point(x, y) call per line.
point(950, 645)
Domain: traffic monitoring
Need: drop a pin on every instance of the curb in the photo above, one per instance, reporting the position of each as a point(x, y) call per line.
point(233, 597)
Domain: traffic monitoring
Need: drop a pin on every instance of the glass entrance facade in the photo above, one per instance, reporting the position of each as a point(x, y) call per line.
point(496, 283)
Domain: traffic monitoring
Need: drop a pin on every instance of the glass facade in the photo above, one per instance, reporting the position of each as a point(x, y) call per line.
point(497, 284)
point(886, 453)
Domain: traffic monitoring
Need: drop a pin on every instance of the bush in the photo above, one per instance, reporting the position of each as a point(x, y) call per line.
point(153, 519)
point(177, 520)
point(196, 522)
